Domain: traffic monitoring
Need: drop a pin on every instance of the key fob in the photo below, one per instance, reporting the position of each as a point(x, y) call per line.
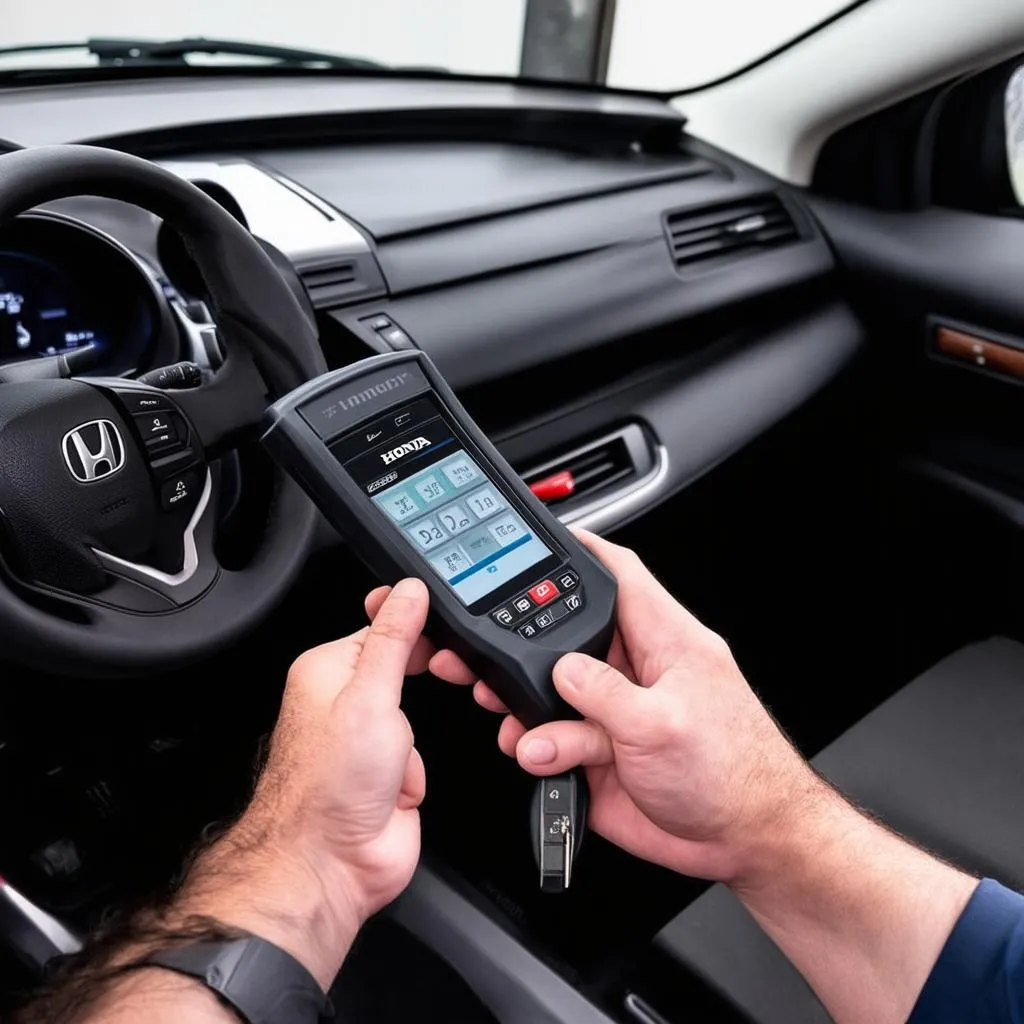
point(559, 816)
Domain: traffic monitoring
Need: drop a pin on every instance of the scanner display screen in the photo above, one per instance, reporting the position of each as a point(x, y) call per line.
point(441, 502)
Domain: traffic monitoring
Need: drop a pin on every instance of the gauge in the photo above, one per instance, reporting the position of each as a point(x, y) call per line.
point(66, 285)
point(41, 313)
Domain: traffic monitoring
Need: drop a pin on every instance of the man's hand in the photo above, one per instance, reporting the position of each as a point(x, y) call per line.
point(332, 833)
point(686, 767)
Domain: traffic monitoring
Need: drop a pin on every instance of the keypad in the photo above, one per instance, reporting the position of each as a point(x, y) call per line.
point(542, 606)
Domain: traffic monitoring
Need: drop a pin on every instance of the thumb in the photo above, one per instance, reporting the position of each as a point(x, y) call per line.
point(602, 694)
point(389, 644)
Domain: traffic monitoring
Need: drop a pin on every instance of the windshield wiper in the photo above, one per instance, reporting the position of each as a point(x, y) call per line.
point(173, 52)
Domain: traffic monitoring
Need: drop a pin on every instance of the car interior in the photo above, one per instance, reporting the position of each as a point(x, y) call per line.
point(769, 333)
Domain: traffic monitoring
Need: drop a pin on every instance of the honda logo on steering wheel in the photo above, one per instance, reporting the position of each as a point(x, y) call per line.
point(94, 451)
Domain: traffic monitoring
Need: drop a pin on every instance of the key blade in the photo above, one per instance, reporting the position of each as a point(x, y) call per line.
point(567, 847)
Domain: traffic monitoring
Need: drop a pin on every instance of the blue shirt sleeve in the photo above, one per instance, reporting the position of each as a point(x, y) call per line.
point(979, 976)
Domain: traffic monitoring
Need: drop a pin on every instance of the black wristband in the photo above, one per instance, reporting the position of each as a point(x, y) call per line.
point(261, 982)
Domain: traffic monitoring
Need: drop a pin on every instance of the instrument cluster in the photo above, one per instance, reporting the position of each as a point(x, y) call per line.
point(65, 286)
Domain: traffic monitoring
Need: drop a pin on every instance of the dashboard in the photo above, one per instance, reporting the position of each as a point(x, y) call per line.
point(600, 288)
point(615, 302)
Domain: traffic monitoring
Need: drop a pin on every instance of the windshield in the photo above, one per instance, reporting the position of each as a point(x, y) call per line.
point(659, 45)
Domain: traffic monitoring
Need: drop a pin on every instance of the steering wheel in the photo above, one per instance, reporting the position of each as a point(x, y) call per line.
point(108, 488)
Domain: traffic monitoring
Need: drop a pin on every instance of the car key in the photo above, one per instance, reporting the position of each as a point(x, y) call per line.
point(559, 815)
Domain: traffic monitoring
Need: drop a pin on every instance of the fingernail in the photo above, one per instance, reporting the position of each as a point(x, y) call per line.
point(573, 669)
point(540, 751)
point(408, 588)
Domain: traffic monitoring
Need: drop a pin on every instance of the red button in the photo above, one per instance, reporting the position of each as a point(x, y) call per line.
point(543, 592)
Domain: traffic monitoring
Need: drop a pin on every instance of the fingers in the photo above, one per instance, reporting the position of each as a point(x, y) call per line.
point(447, 665)
point(414, 782)
point(647, 613)
point(488, 699)
point(390, 642)
point(559, 746)
point(321, 673)
point(603, 694)
point(509, 735)
point(424, 649)
point(373, 600)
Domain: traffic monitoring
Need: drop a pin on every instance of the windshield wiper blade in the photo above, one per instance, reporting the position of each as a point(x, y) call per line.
point(147, 52)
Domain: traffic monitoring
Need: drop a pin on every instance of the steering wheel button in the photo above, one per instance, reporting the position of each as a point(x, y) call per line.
point(137, 401)
point(179, 491)
point(140, 402)
point(155, 424)
point(157, 445)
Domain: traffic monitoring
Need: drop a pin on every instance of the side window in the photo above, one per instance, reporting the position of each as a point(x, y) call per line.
point(958, 145)
point(1015, 131)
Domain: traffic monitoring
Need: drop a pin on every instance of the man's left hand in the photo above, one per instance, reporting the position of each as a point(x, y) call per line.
point(333, 833)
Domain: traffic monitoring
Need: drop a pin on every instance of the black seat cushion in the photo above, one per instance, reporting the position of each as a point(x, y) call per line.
point(942, 762)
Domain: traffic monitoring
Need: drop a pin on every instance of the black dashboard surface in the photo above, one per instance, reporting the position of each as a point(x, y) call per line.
point(398, 188)
point(521, 234)
point(169, 113)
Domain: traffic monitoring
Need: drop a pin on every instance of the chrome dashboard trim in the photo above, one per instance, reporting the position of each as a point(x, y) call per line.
point(198, 337)
point(190, 561)
point(290, 217)
point(612, 509)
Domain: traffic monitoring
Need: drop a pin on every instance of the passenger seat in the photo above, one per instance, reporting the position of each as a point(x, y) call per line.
point(942, 762)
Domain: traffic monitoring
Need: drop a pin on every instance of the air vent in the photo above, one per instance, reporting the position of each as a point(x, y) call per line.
point(703, 238)
point(601, 467)
point(332, 284)
point(588, 471)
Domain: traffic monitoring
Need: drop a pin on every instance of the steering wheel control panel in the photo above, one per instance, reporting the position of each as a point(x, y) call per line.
point(395, 462)
point(170, 447)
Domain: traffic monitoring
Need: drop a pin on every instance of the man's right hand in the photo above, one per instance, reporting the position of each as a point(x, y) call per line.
point(686, 768)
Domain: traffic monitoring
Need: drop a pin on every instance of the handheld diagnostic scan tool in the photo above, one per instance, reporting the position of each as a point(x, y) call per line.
point(397, 465)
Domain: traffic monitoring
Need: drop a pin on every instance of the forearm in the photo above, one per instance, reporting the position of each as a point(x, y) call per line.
point(862, 914)
point(235, 888)
point(156, 997)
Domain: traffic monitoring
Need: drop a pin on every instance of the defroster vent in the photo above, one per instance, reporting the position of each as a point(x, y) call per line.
point(331, 284)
